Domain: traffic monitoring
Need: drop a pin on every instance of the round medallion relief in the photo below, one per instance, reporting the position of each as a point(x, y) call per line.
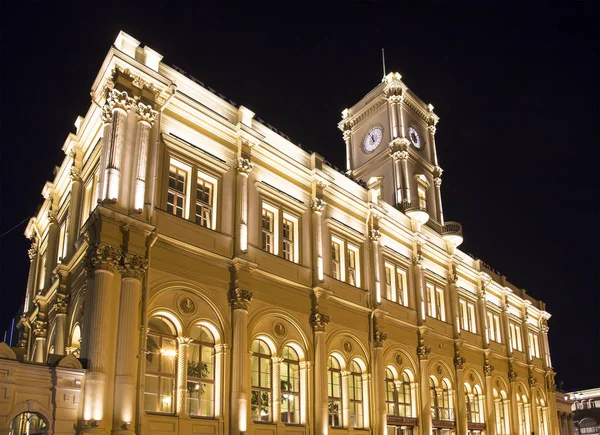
point(498, 383)
point(472, 377)
point(438, 369)
point(398, 359)
point(186, 305)
point(279, 329)
point(347, 347)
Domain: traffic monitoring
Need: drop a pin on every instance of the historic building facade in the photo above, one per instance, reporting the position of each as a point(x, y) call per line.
point(193, 271)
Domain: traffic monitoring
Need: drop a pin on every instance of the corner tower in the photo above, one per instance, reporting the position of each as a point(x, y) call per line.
point(390, 138)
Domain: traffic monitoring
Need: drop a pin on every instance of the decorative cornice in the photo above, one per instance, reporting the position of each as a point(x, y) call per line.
point(319, 321)
point(240, 299)
point(134, 266)
point(102, 257)
point(243, 166)
point(379, 338)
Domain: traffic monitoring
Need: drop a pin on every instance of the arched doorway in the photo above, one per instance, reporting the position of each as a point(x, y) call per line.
point(28, 423)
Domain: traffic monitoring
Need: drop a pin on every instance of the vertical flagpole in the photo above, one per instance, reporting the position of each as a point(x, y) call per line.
point(383, 60)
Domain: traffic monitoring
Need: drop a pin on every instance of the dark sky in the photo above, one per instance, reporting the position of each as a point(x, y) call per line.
point(515, 85)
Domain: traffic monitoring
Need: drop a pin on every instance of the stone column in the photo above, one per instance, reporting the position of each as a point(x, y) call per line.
point(461, 417)
point(455, 317)
point(51, 250)
point(305, 390)
point(119, 104)
point(74, 210)
point(505, 327)
point(399, 153)
point(101, 262)
point(418, 285)
point(32, 277)
point(132, 273)
point(437, 181)
point(375, 267)
point(240, 303)
point(182, 362)
point(106, 145)
point(345, 399)
point(425, 414)
point(40, 331)
point(514, 412)
point(380, 423)
point(535, 415)
point(146, 118)
point(482, 309)
point(319, 323)
point(276, 388)
point(432, 128)
point(545, 344)
point(490, 408)
point(243, 167)
point(60, 334)
point(317, 206)
point(570, 424)
point(366, 382)
point(348, 141)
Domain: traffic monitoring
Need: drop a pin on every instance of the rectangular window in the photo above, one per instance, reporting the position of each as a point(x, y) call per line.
point(516, 342)
point(435, 302)
point(336, 261)
point(205, 191)
point(42, 274)
point(268, 230)
point(422, 197)
point(353, 272)
point(63, 235)
point(395, 284)
point(177, 193)
point(467, 316)
point(494, 327)
point(89, 199)
point(534, 345)
point(345, 261)
point(288, 238)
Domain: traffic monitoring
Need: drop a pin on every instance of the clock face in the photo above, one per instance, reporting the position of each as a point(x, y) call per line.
point(372, 139)
point(414, 137)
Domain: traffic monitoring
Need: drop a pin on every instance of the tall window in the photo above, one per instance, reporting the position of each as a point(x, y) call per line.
point(355, 395)
point(422, 197)
point(404, 399)
point(534, 345)
point(290, 386)
point(204, 202)
point(494, 327)
point(159, 395)
point(352, 265)
point(390, 393)
point(334, 392)
point(467, 316)
point(261, 381)
point(63, 236)
point(501, 404)
point(201, 372)
point(396, 284)
point(435, 302)
point(446, 411)
point(288, 239)
point(42, 274)
point(268, 230)
point(523, 415)
point(336, 261)
point(473, 404)
point(176, 197)
point(516, 342)
point(398, 395)
point(89, 199)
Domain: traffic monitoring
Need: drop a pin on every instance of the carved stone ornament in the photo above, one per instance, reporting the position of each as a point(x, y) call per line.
point(319, 321)
point(32, 252)
point(279, 329)
point(437, 181)
point(146, 113)
point(431, 129)
point(102, 257)
point(347, 346)
point(119, 100)
point(438, 369)
point(379, 338)
point(417, 259)
point(545, 328)
point(75, 173)
point(52, 218)
point(399, 359)
point(61, 303)
point(374, 234)
point(40, 328)
point(240, 299)
point(512, 375)
point(243, 166)
point(317, 205)
point(423, 351)
point(532, 381)
point(488, 369)
point(187, 306)
point(106, 114)
point(399, 155)
point(454, 274)
point(134, 266)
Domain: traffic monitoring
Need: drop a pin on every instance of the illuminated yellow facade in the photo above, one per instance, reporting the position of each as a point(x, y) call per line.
point(193, 271)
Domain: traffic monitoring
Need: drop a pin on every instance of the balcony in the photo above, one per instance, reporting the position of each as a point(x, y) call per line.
point(415, 207)
point(452, 233)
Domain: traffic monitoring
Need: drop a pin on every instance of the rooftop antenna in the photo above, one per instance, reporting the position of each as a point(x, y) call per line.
point(383, 61)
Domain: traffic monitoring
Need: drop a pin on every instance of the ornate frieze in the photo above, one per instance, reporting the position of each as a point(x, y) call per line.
point(379, 338)
point(134, 266)
point(240, 299)
point(102, 257)
point(319, 321)
point(243, 165)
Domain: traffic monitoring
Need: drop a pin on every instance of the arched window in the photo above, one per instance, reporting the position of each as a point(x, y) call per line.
point(501, 405)
point(261, 381)
point(290, 386)
point(28, 423)
point(355, 395)
point(334, 392)
point(161, 363)
point(404, 399)
point(523, 415)
point(390, 393)
point(473, 398)
point(75, 341)
point(201, 372)
point(433, 398)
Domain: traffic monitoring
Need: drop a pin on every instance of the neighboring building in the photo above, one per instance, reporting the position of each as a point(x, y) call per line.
point(586, 409)
point(564, 410)
point(203, 274)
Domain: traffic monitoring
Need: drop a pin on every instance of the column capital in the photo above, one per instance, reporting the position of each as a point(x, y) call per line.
point(106, 114)
point(432, 128)
point(532, 381)
point(146, 113)
point(52, 218)
point(243, 165)
point(276, 359)
point(75, 174)
point(319, 321)
point(374, 234)
point(423, 351)
point(134, 266)
point(347, 132)
point(488, 369)
point(437, 181)
point(40, 328)
point(102, 257)
point(33, 251)
point(379, 338)
point(317, 205)
point(240, 299)
point(61, 303)
point(184, 341)
point(119, 100)
point(545, 328)
point(512, 375)
point(459, 362)
point(417, 259)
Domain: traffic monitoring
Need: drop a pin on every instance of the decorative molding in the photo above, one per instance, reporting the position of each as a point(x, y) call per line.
point(102, 257)
point(423, 351)
point(512, 375)
point(186, 306)
point(134, 266)
point(240, 299)
point(119, 100)
point(347, 346)
point(279, 329)
point(319, 321)
point(317, 205)
point(459, 362)
point(75, 174)
point(69, 361)
point(243, 166)
point(379, 339)
point(488, 369)
point(40, 328)
point(532, 381)
point(33, 251)
point(61, 303)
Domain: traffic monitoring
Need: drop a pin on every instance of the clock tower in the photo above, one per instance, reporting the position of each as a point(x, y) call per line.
point(390, 139)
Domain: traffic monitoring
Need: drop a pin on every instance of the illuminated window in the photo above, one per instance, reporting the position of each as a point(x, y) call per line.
point(398, 395)
point(161, 364)
point(201, 372)
point(534, 345)
point(268, 230)
point(353, 273)
point(516, 342)
point(501, 407)
point(290, 386)
point(205, 199)
point(279, 233)
point(494, 327)
point(422, 197)
point(288, 238)
point(177, 193)
point(396, 284)
point(261, 381)
point(474, 405)
point(42, 272)
point(467, 316)
point(435, 301)
point(355, 395)
point(334, 392)
point(336, 261)
point(63, 239)
point(89, 199)
point(345, 261)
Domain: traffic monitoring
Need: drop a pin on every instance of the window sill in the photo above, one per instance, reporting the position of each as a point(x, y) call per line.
point(264, 422)
point(165, 414)
point(202, 417)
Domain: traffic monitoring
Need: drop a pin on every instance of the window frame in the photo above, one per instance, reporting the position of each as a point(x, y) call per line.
point(212, 205)
point(393, 273)
point(296, 394)
point(208, 381)
point(260, 389)
point(355, 389)
point(332, 374)
point(281, 214)
point(434, 293)
point(160, 374)
point(346, 246)
point(467, 315)
point(185, 194)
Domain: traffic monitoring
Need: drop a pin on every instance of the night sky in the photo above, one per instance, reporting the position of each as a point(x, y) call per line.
point(515, 85)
